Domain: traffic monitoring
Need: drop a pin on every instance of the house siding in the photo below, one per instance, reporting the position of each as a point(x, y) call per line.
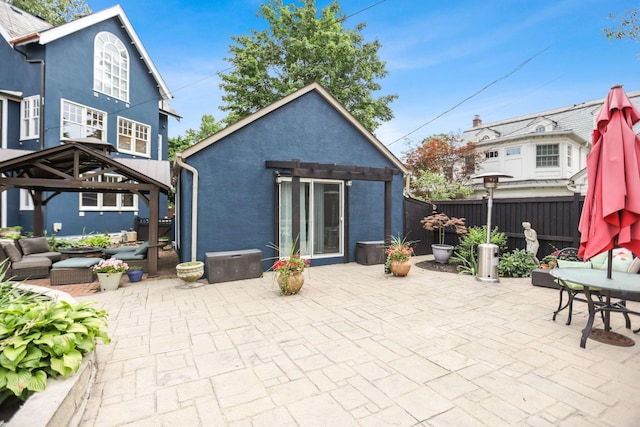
point(236, 205)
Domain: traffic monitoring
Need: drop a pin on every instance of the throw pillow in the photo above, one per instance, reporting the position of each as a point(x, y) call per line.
point(635, 266)
point(142, 250)
point(34, 245)
point(12, 252)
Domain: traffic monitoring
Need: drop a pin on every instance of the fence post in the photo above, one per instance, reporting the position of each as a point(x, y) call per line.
point(575, 215)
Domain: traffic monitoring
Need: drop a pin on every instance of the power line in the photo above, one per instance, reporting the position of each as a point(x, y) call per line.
point(515, 70)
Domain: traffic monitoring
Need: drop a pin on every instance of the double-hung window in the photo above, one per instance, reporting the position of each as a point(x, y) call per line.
point(134, 137)
point(111, 66)
point(30, 117)
point(108, 201)
point(79, 121)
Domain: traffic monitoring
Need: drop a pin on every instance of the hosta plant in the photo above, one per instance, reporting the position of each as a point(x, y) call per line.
point(42, 338)
point(518, 263)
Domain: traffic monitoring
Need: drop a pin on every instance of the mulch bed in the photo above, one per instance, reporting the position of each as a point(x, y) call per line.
point(436, 266)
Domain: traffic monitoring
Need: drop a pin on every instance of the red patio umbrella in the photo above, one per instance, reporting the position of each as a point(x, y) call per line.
point(611, 212)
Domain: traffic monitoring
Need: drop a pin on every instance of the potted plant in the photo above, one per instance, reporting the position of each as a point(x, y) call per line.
point(190, 272)
point(440, 222)
point(135, 273)
point(110, 272)
point(399, 253)
point(289, 270)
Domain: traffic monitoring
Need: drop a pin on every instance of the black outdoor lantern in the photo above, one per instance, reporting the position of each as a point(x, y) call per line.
point(488, 252)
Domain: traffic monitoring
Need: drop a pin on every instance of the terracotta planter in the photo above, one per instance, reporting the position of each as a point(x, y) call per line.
point(400, 268)
point(290, 284)
point(109, 281)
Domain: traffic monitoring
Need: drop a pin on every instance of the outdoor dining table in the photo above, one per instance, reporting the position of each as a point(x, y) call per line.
point(593, 279)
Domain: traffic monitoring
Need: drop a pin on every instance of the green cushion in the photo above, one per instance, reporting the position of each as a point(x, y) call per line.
point(573, 264)
point(600, 261)
point(129, 256)
point(622, 260)
point(142, 250)
point(76, 263)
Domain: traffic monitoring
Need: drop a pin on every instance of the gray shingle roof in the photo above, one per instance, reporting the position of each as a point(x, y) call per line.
point(578, 118)
point(16, 22)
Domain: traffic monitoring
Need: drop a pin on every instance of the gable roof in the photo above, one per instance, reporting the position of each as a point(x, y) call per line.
point(48, 34)
point(212, 139)
point(15, 22)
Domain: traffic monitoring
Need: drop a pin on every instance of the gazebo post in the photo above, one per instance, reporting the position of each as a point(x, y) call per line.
point(154, 207)
point(38, 216)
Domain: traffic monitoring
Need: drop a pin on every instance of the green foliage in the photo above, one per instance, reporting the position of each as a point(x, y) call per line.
point(628, 28)
point(300, 48)
point(208, 126)
point(430, 186)
point(98, 240)
point(55, 12)
point(518, 263)
point(42, 338)
point(466, 252)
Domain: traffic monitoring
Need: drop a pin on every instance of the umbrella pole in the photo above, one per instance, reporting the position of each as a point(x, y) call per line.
point(609, 263)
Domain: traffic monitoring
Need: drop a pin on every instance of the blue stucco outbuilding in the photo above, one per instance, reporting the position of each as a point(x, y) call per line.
point(302, 170)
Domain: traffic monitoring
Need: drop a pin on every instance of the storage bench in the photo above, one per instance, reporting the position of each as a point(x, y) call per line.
point(233, 265)
point(370, 253)
point(73, 270)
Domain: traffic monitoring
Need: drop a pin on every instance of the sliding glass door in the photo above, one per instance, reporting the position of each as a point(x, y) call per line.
point(321, 213)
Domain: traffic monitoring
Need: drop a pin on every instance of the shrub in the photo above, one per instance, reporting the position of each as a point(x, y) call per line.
point(98, 240)
point(42, 338)
point(466, 252)
point(518, 263)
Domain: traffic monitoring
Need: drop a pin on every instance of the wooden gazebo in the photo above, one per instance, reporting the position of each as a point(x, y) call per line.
point(70, 167)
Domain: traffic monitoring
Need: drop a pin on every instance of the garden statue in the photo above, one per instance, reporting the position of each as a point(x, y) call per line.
point(531, 237)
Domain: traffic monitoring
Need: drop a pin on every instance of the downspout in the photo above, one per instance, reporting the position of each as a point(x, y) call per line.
point(194, 204)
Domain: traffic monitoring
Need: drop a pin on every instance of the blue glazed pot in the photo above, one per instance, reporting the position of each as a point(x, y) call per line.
point(135, 275)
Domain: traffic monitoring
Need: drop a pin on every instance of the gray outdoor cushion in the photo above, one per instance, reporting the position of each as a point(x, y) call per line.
point(34, 245)
point(113, 251)
point(129, 256)
point(77, 262)
point(53, 256)
point(31, 262)
point(142, 250)
point(12, 252)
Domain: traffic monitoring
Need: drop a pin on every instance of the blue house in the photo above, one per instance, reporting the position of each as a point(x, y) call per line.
point(302, 170)
point(99, 84)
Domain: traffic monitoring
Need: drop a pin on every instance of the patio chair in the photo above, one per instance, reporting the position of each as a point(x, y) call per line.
point(568, 258)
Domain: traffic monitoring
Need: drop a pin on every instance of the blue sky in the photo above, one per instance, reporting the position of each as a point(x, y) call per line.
point(438, 54)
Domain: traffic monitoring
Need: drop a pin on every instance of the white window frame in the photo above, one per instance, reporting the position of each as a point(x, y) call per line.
point(512, 151)
point(554, 158)
point(93, 119)
point(491, 154)
point(30, 117)
point(111, 66)
point(99, 197)
point(569, 155)
point(26, 202)
point(136, 132)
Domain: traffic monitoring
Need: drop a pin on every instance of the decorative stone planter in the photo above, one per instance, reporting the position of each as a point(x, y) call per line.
point(189, 273)
point(290, 284)
point(442, 253)
point(109, 281)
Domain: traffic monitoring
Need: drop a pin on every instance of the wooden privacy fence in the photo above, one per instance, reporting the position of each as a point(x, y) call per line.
point(555, 219)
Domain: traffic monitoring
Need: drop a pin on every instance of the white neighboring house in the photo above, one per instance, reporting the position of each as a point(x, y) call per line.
point(544, 152)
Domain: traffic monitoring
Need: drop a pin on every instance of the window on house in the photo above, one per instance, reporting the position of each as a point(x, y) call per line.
point(569, 155)
point(512, 151)
point(486, 137)
point(26, 202)
point(30, 117)
point(547, 155)
point(540, 129)
point(79, 121)
point(491, 154)
point(108, 201)
point(111, 66)
point(134, 137)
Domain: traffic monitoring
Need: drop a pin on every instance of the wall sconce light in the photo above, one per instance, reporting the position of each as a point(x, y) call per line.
point(278, 179)
point(349, 183)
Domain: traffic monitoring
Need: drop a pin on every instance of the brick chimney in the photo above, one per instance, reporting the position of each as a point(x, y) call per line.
point(477, 121)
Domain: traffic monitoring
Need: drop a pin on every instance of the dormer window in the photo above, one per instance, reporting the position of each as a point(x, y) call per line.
point(111, 66)
point(540, 129)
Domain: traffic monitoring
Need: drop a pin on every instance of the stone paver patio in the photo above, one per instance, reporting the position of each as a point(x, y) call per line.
point(357, 348)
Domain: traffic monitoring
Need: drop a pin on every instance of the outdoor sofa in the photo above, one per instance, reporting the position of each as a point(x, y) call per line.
point(27, 258)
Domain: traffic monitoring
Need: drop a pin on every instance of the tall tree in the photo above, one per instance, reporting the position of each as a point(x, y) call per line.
point(55, 12)
point(441, 166)
point(299, 48)
point(629, 26)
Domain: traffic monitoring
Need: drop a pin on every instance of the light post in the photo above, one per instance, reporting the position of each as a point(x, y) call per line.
point(488, 252)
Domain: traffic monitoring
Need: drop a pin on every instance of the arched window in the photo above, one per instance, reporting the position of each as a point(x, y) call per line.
point(540, 129)
point(111, 66)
